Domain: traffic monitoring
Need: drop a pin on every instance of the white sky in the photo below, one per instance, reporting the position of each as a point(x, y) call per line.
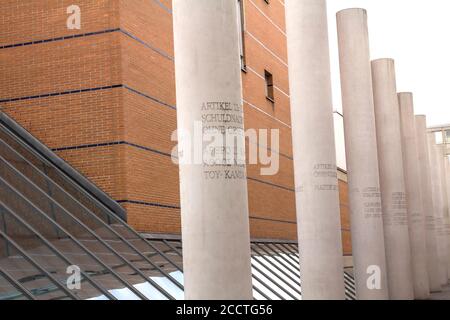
point(416, 33)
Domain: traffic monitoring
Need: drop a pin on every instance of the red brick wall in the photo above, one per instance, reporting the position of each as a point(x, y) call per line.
point(345, 218)
point(55, 66)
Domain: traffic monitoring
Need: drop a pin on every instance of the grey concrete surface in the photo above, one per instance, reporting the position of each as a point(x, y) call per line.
point(445, 203)
point(428, 205)
point(439, 207)
point(361, 153)
point(393, 190)
point(416, 217)
point(317, 192)
point(214, 208)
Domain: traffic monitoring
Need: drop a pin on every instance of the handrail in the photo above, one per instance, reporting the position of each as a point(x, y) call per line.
point(62, 165)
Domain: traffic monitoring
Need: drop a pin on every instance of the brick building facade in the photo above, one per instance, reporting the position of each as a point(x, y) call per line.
point(103, 98)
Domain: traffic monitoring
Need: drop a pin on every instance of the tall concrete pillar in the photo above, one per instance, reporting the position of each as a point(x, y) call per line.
point(438, 206)
point(361, 152)
point(428, 205)
point(447, 179)
point(392, 183)
point(416, 216)
point(445, 204)
point(214, 208)
point(317, 193)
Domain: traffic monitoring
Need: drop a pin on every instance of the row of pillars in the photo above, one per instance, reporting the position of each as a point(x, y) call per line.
point(396, 180)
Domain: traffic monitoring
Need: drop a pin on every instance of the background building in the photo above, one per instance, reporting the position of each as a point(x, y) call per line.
point(103, 99)
point(442, 134)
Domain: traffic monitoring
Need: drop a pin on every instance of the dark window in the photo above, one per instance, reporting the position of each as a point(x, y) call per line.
point(241, 30)
point(269, 86)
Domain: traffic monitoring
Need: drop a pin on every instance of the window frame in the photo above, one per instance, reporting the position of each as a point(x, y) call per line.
point(241, 30)
point(269, 83)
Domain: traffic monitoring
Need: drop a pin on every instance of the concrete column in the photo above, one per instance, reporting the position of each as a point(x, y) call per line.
point(445, 219)
point(428, 206)
point(416, 217)
point(214, 208)
point(392, 184)
point(317, 193)
point(361, 153)
point(438, 206)
point(447, 177)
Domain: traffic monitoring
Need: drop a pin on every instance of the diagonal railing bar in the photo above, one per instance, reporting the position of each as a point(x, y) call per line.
point(263, 257)
point(287, 254)
point(4, 226)
point(267, 246)
point(75, 240)
point(167, 243)
point(275, 282)
point(91, 232)
point(294, 247)
point(106, 210)
point(278, 276)
point(37, 265)
point(22, 137)
point(260, 292)
point(52, 248)
point(268, 287)
point(25, 292)
point(295, 269)
point(289, 249)
point(117, 234)
point(294, 254)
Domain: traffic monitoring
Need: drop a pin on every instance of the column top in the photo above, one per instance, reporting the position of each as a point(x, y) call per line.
point(352, 11)
point(390, 60)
